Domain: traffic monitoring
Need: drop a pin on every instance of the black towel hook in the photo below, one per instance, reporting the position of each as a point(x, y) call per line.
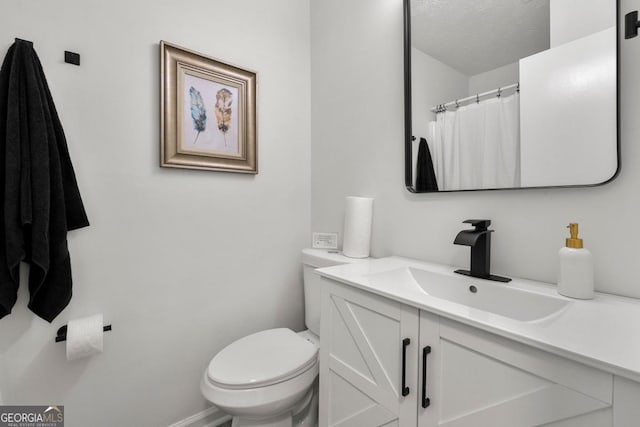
point(69, 57)
point(72, 58)
point(23, 40)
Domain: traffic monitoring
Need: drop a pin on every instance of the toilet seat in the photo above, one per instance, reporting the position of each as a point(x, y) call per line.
point(261, 375)
point(262, 359)
point(271, 400)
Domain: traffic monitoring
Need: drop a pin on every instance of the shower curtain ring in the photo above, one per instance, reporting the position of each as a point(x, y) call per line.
point(477, 98)
point(457, 105)
point(499, 92)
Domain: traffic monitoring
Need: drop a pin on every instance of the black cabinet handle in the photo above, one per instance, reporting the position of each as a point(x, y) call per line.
point(405, 344)
point(425, 400)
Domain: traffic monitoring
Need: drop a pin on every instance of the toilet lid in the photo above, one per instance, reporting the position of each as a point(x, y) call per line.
point(261, 359)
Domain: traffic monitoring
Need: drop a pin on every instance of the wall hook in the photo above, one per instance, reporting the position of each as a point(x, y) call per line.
point(72, 58)
point(17, 39)
point(631, 25)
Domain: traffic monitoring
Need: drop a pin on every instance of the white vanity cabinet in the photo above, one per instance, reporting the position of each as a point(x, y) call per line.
point(365, 341)
point(626, 410)
point(473, 378)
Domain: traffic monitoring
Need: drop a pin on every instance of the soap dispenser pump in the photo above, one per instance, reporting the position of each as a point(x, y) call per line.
point(575, 279)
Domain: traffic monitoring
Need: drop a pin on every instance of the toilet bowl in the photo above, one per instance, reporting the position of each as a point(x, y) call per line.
point(269, 378)
point(263, 379)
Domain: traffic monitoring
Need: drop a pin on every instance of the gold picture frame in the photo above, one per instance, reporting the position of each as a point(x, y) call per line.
point(207, 113)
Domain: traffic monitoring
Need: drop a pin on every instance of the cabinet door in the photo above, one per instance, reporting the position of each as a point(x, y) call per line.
point(487, 380)
point(365, 342)
point(429, 369)
point(626, 405)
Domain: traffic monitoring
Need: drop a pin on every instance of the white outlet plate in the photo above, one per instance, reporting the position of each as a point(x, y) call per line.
point(325, 240)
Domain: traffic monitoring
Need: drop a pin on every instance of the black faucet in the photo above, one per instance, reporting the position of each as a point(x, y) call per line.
point(479, 239)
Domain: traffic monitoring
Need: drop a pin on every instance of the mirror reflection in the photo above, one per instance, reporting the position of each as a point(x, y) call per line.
point(510, 94)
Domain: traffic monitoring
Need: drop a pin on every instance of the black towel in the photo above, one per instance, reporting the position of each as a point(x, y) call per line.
point(38, 189)
point(425, 174)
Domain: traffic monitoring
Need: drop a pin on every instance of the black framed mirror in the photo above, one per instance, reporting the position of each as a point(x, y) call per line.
point(504, 94)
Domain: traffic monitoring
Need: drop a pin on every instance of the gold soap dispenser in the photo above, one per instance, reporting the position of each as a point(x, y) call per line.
point(575, 278)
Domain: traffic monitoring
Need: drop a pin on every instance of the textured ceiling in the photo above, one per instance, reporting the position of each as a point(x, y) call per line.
point(474, 36)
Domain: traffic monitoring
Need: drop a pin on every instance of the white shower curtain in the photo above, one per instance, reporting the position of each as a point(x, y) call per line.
point(478, 145)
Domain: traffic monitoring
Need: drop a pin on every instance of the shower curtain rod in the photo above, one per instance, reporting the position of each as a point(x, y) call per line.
point(443, 107)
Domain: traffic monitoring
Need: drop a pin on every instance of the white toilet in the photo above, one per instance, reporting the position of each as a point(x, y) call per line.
point(268, 379)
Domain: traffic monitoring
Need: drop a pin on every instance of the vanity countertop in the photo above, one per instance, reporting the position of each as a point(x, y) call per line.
point(603, 332)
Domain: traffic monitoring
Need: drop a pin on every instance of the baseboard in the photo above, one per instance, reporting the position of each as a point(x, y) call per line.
point(210, 417)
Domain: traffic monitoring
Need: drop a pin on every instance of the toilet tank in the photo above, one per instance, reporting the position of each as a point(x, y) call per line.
point(312, 259)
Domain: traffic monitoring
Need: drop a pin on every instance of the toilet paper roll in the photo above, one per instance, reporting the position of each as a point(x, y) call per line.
point(357, 227)
point(84, 337)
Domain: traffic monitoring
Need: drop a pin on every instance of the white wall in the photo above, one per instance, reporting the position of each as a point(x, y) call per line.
point(432, 83)
point(3, 376)
point(362, 154)
point(572, 19)
point(494, 79)
point(180, 262)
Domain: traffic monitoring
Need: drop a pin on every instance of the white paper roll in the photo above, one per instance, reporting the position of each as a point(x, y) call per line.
point(357, 227)
point(84, 337)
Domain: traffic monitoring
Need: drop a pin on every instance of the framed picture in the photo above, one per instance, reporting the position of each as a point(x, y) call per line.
point(208, 113)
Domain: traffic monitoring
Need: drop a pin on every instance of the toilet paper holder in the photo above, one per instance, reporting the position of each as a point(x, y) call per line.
point(61, 335)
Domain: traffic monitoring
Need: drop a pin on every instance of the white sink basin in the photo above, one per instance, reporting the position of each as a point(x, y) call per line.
point(497, 298)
